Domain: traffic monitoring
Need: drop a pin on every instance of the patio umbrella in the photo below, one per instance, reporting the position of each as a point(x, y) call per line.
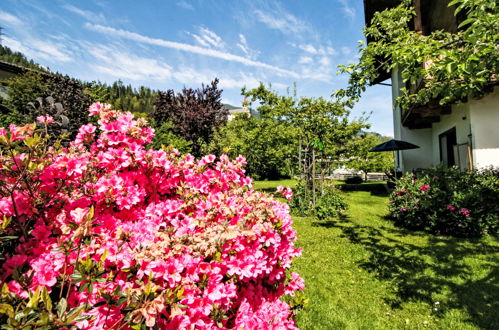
point(394, 145)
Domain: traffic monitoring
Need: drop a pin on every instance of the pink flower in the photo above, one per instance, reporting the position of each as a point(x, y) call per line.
point(404, 209)
point(285, 192)
point(97, 108)
point(451, 207)
point(296, 283)
point(425, 187)
point(47, 119)
point(15, 133)
point(162, 223)
point(464, 212)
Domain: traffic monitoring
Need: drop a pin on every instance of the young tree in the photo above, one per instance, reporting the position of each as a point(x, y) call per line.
point(362, 160)
point(323, 129)
point(195, 114)
point(268, 146)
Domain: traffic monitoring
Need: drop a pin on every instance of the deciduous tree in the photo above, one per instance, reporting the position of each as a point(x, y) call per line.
point(195, 113)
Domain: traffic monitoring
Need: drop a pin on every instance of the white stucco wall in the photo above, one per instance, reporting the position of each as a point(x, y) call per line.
point(414, 158)
point(458, 118)
point(478, 119)
point(484, 116)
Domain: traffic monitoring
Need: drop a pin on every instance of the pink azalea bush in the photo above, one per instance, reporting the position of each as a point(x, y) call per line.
point(114, 235)
point(448, 202)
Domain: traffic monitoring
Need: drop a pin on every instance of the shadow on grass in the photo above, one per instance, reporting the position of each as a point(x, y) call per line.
point(421, 273)
point(376, 189)
point(268, 190)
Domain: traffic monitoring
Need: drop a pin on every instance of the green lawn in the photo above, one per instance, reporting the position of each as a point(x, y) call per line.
point(361, 272)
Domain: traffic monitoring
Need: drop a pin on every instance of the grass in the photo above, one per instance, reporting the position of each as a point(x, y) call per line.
point(361, 272)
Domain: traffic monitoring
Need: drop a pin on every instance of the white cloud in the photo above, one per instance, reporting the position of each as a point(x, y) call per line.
point(9, 18)
point(208, 38)
point(331, 51)
point(17, 46)
point(305, 60)
point(243, 45)
point(316, 74)
point(316, 50)
point(346, 50)
point(324, 61)
point(121, 64)
point(86, 14)
point(347, 9)
point(277, 18)
point(185, 5)
point(41, 49)
point(188, 48)
point(52, 50)
point(308, 48)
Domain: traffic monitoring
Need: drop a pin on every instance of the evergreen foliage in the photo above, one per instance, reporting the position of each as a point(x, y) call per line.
point(126, 97)
point(17, 58)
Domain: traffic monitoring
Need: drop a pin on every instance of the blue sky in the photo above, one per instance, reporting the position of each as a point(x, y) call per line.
point(167, 44)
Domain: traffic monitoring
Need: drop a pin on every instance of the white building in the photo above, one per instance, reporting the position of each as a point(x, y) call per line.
point(233, 111)
point(462, 134)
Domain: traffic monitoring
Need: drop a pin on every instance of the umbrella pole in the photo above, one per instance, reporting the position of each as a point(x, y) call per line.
point(395, 162)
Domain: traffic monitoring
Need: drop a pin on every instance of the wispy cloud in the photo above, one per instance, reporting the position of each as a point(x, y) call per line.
point(234, 80)
point(243, 45)
point(346, 50)
point(188, 48)
point(305, 60)
point(185, 5)
point(9, 18)
point(316, 50)
point(40, 49)
point(277, 18)
point(121, 64)
point(347, 9)
point(208, 38)
point(86, 14)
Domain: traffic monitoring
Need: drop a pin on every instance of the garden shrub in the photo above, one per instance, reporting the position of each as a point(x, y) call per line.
point(329, 204)
point(108, 234)
point(354, 180)
point(448, 202)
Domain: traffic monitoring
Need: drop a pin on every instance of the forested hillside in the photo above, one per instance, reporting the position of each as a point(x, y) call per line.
point(17, 58)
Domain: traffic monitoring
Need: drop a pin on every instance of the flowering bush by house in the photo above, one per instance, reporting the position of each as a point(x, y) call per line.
point(108, 234)
point(448, 202)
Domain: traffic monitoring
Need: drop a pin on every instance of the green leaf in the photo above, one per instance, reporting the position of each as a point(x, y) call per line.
point(7, 309)
point(466, 22)
point(76, 276)
point(74, 313)
point(46, 299)
point(62, 305)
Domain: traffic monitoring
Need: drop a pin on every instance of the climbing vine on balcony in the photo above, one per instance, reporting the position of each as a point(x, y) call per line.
point(450, 67)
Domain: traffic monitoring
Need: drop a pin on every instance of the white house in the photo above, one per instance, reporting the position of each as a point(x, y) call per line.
point(233, 111)
point(462, 134)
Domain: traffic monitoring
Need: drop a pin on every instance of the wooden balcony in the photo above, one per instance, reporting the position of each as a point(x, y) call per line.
point(423, 116)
